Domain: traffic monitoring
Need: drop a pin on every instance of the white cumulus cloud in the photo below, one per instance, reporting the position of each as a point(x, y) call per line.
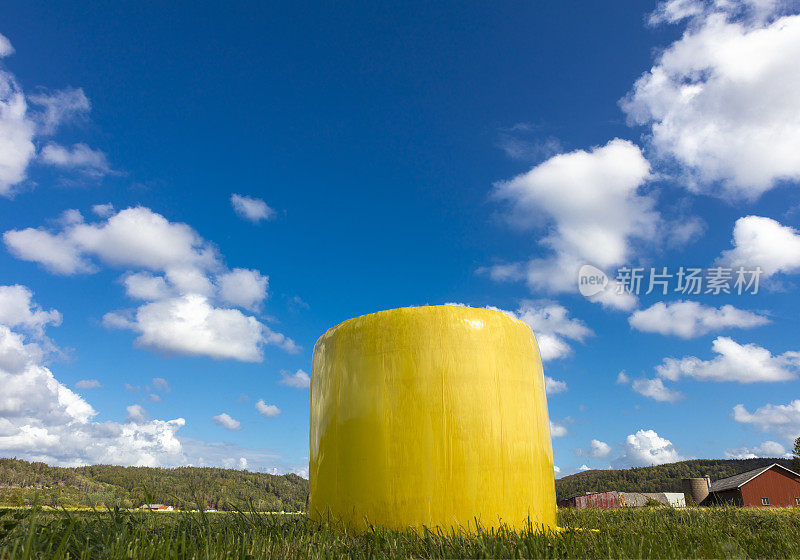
point(722, 100)
point(18, 310)
point(55, 253)
point(134, 237)
point(688, 319)
point(79, 156)
point(136, 413)
point(781, 419)
point(43, 420)
point(554, 386)
point(557, 430)
point(243, 288)
point(765, 243)
point(190, 295)
point(656, 390)
point(58, 107)
point(190, 325)
point(224, 419)
point(597, 448)
point(298, 379)
point(252, 209)
point(147, 286)
point(645, 448)
point(267, 410)
point(139, 237)
point(16, 131)
point(26, 120)
point(766, 449)
point(593, 208)
point(103, 210)
point(6, 49)
point(743, 363)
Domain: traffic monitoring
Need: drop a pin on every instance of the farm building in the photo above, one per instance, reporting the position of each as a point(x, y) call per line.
point(771, 486)
point(156, 507)
point(615, 499)
point(592, 500)
point(640, 499)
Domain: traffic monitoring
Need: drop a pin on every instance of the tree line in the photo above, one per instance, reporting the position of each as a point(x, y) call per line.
point(23, 482)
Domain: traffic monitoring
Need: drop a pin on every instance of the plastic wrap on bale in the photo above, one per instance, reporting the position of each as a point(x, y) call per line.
point(430, 416)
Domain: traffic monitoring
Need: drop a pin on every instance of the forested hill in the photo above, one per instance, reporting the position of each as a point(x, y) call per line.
point(22, 483)
point(660, 478)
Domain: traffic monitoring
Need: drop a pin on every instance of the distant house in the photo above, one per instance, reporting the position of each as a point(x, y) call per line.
point(614, 499)
point(156, 507)
point(772, 486)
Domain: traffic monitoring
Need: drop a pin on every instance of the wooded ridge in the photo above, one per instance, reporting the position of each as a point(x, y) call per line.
point(25, 483)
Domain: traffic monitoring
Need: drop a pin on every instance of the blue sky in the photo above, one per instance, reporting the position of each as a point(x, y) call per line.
point(386, 156)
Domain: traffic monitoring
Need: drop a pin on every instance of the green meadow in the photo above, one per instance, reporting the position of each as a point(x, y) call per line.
point(627, 533)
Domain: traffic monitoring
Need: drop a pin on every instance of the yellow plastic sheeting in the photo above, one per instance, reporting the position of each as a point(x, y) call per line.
point(431, 416)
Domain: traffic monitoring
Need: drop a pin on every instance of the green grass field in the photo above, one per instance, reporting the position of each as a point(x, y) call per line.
point(633, 533)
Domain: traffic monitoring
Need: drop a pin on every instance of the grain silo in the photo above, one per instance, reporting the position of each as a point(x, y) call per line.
point(696, 490)
point(430, 416)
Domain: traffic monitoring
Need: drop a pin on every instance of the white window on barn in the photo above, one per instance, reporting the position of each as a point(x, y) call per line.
point(764, 501)
point(797, 501)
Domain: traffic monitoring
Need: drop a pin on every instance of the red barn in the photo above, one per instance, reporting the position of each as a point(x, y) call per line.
point(772, 486)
